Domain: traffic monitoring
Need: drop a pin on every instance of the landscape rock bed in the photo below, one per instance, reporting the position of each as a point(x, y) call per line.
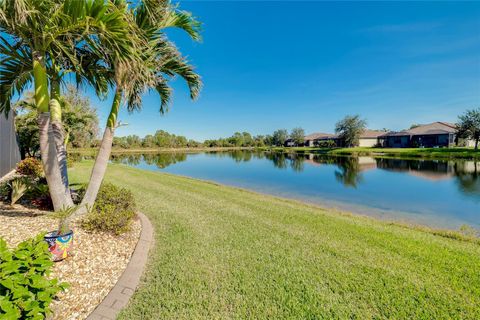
point(98, 261)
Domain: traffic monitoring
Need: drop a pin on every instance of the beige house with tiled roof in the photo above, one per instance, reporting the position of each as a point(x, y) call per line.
point(369, 138)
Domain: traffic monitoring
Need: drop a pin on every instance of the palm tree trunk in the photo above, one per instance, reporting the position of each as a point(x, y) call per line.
point(101, 162)
point(48, 154)
point(48, 151)
point(59, 133)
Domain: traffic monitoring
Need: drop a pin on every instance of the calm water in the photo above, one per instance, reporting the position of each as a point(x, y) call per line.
point(437, 193)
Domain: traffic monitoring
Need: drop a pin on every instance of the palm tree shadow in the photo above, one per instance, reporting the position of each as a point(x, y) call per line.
point(17, 211)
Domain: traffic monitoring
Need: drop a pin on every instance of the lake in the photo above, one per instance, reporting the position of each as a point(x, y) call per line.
point(436, 193)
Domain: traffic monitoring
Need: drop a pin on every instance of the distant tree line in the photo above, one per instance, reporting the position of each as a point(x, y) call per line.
point(161, 139)
point(244, 139)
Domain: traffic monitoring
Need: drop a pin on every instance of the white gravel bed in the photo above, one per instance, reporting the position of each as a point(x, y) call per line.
point(98, 258)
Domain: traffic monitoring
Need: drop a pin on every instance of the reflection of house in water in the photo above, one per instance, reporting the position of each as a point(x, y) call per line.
point(349, 170)
point(363, 163)
point(429, 169)
point(468, 166)
point(367, 163)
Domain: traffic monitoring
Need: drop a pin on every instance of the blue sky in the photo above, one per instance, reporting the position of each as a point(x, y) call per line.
point(276, 64)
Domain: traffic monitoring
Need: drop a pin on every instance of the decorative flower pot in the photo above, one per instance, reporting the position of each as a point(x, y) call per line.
point(59, 245)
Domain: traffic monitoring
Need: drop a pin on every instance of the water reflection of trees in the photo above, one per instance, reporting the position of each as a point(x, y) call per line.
point(284, 160)
point(348, 171)
point(129, 159)
point(468, 177)
point(236, 155)
point(161, 160)
point(279, 159)
point(297, 162)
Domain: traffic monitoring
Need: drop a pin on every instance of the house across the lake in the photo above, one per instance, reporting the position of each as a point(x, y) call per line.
point(314, 139)
point(436, 134)
point(369, 138)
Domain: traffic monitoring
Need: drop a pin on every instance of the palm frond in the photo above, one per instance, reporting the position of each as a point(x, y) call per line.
point(171, 63)
point(183, 20)
point(165, 92)
point(15, 72)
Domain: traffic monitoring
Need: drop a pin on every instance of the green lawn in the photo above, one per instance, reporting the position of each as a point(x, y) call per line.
point(226, 253)
point(437, 153)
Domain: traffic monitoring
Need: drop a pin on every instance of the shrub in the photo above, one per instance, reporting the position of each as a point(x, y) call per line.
point(326, 144)
point(113, 211)
point(73, 158)
point(25, 289)
point(5, 191)
point(30, 167)
point(40, 196)
point(62, 215)
point(19, 187)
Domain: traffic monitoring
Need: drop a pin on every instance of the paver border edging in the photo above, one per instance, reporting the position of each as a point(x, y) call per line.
point(125, 287)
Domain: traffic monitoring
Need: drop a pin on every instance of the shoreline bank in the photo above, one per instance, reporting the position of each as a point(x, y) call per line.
point(401, 153)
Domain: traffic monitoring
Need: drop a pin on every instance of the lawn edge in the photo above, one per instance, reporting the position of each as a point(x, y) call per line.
point(118, 297)
point(450, 234)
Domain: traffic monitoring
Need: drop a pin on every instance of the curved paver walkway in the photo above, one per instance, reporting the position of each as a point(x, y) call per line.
point(118, 297)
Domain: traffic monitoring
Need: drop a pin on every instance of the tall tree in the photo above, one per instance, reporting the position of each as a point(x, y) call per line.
point(37, 39)
point(160, 61)
point(79, 120)
point(298, 136)
point(468, 126)
point(279, 137)
point(349, 129)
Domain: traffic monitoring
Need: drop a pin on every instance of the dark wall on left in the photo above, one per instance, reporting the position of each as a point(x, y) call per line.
point(9, 151)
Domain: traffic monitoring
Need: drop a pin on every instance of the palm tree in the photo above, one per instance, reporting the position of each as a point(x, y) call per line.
point(160, 61)
point(39, 39)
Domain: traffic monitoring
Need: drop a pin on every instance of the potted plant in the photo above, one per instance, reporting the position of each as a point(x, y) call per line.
point(60, 241)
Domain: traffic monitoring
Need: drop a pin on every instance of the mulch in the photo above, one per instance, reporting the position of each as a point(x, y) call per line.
point(97, 262)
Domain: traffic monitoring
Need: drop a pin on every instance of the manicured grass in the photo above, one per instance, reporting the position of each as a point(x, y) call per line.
point(442, 153)
point(226, 253)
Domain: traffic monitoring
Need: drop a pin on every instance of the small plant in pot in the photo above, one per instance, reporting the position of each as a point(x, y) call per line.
point(60, 241)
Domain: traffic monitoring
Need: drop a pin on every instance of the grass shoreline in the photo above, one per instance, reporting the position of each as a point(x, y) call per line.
point(224, 252)
point(410, 153)
point(418, 153)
